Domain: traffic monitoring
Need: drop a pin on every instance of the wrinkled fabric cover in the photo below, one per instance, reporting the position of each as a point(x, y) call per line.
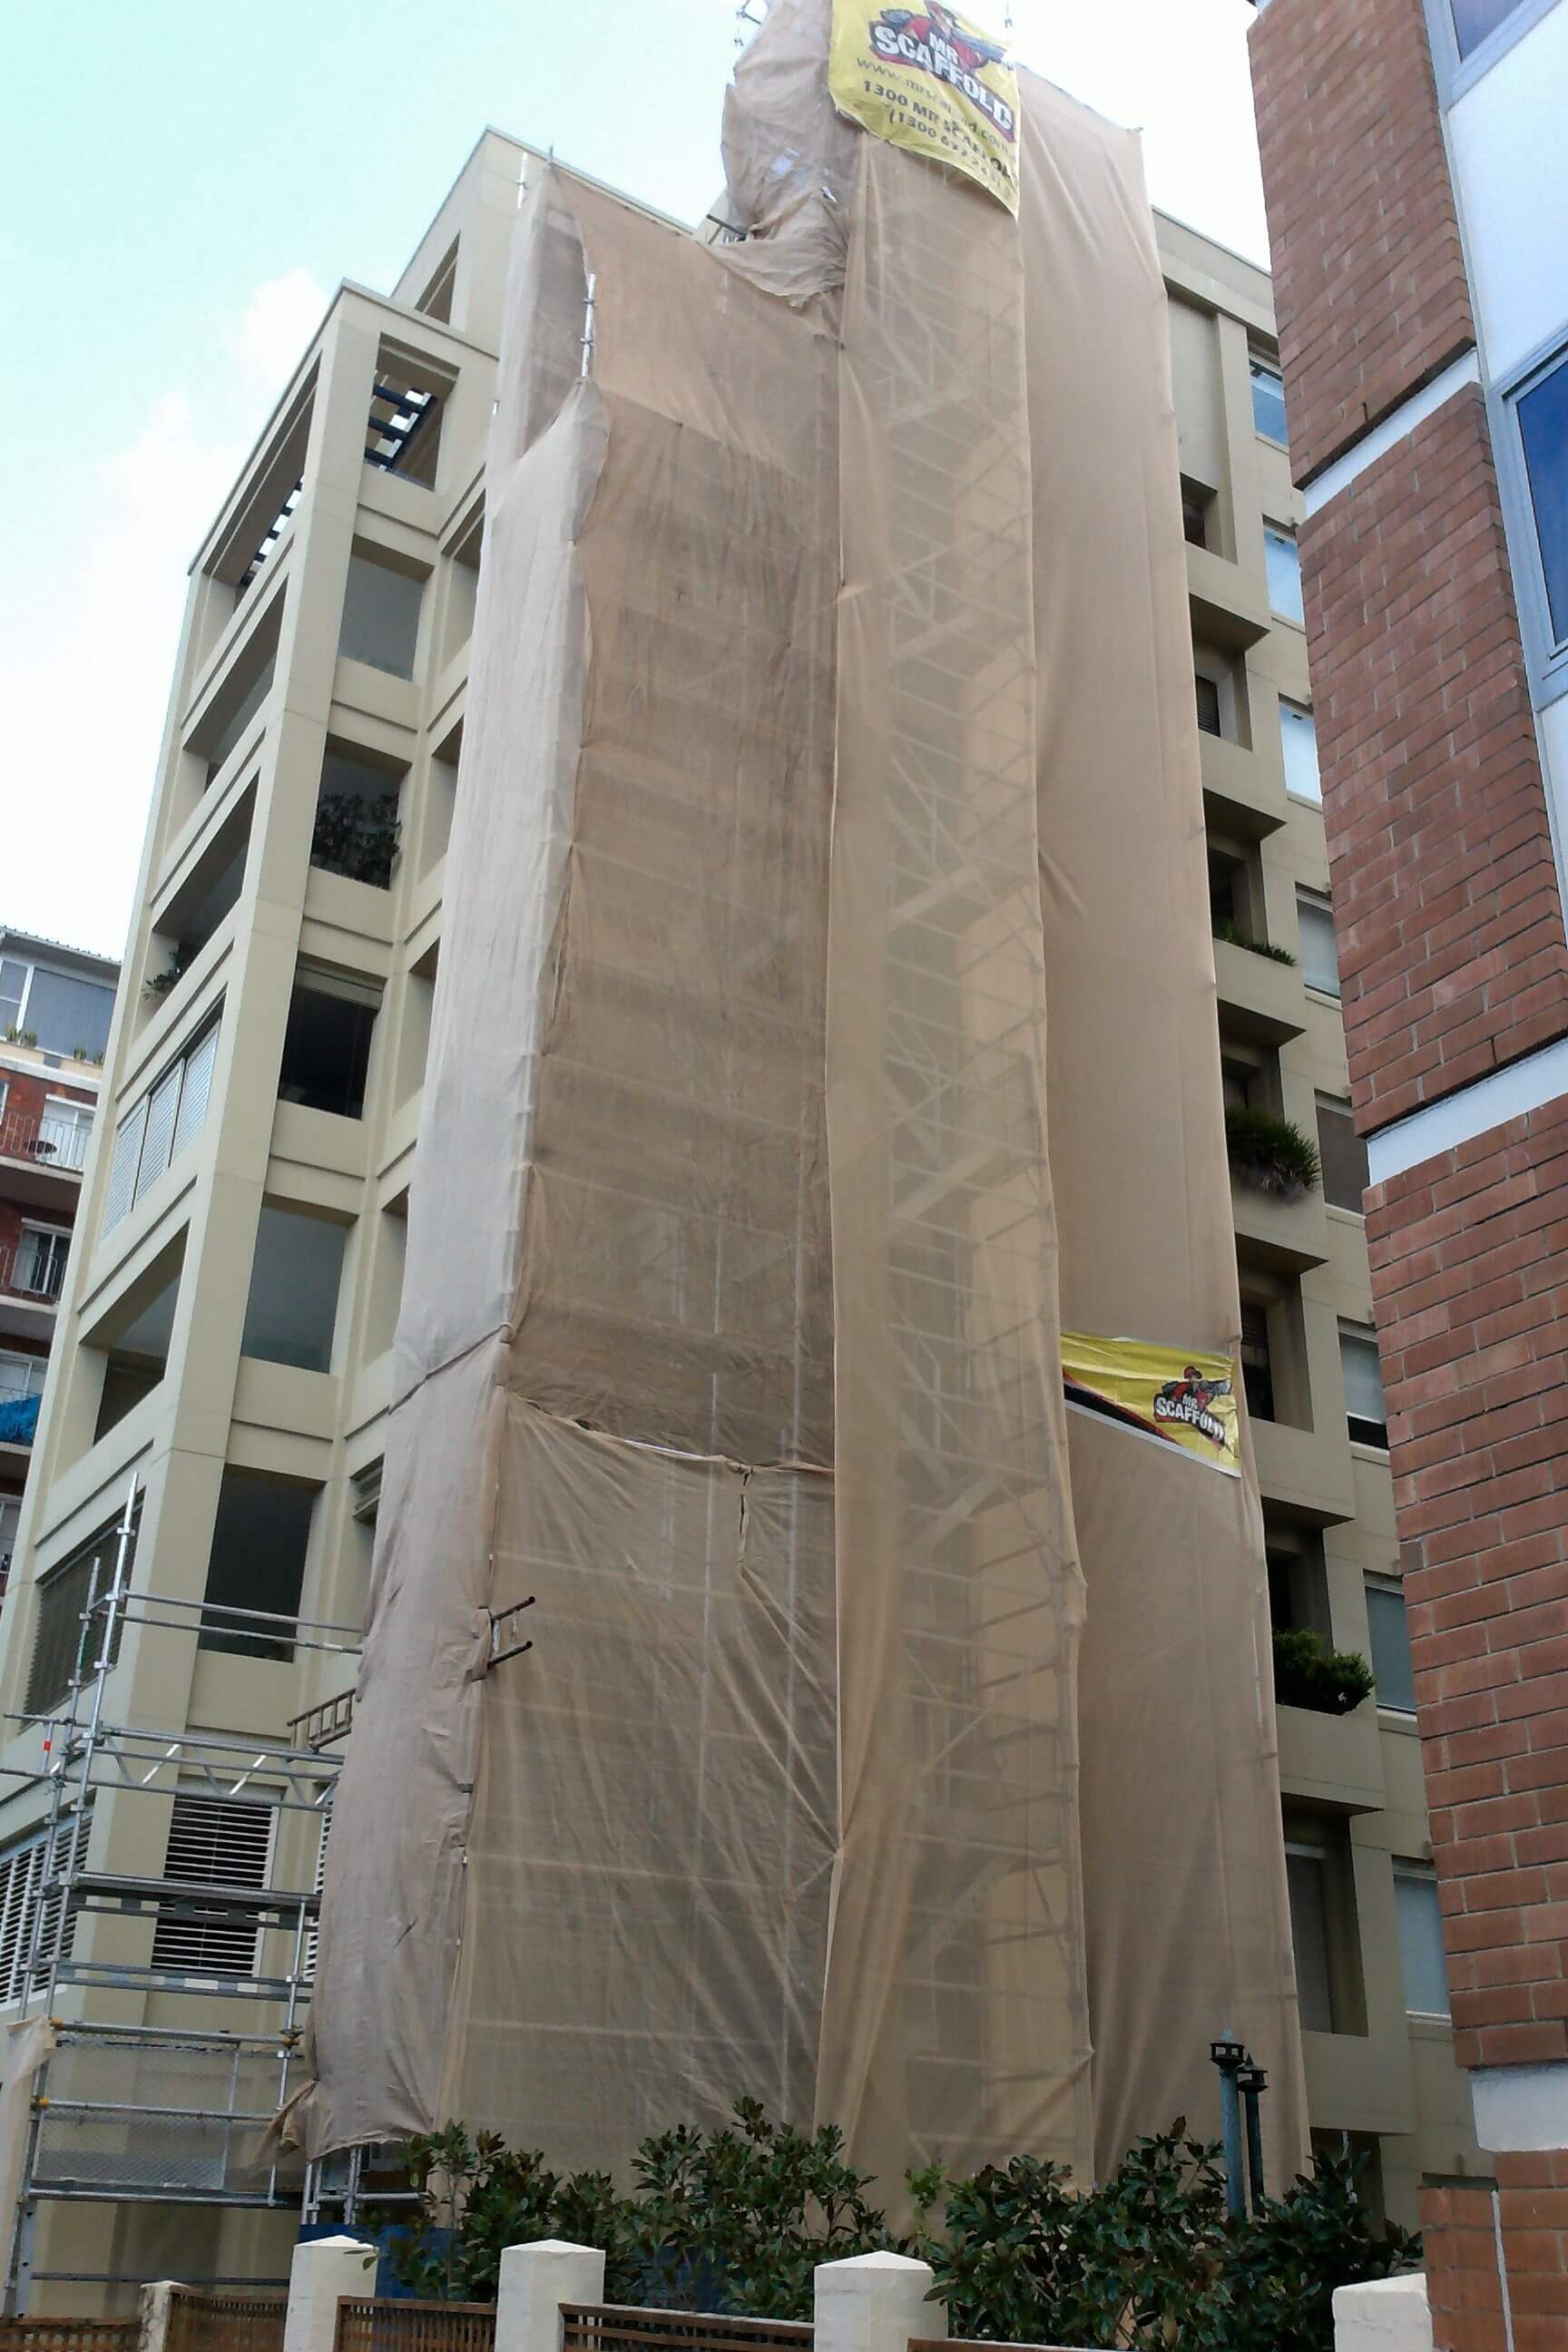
point(826, 1013)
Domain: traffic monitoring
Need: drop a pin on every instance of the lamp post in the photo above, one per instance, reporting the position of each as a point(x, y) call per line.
point(1230, 2057)
point(1251, 2081)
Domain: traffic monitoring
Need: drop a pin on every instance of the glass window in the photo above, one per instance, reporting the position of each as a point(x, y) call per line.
point(326, 1047)
point(1268, 400)
point(161, 1125)
point(1284, 562)
point(1421, 1939)
point(1306, 1871)
point(1543, 413)
point(63, 1595)
point(21, 1376)
point(1391, 1662)
point(13, 989)
point(1364, 1410)
point(1342, 1154)
point(294, 1276)
point(257, 1563)
point(40, 1263)
point(381, 615)
point(1320, 957)
point(64, 1013)
point(1476, 20)
point(1298, 742)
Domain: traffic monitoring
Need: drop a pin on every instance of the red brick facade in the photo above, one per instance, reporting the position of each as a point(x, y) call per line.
point(1464, 2285)
point(1452, 951)
point(1369, 281)
point(1469, 1256)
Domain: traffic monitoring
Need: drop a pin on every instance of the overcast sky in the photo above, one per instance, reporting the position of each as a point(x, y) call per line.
point(186, 184)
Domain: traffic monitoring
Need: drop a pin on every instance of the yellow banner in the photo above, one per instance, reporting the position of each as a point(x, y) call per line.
point(1184, 1398)
point(928, 79)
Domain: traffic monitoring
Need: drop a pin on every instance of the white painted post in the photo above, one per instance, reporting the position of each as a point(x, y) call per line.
point(536, 2279)
point(154, 2315)
point(873, 2302)
point(1384, 2315)
point(323, 2271)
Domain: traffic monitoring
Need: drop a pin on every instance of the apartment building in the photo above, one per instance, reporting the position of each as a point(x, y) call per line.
point(1414, 178)
point(230, 1312)
point(56, 1004)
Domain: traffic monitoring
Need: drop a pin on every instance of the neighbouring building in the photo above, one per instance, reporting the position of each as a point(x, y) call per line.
point(56, 1004)
point(1415, 181)
point(230, 1311)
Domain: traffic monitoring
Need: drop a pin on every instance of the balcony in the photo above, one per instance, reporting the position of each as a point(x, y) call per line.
point(44, 1154)
point(32, 1273)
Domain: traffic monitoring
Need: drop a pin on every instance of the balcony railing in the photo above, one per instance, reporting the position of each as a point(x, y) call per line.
point(48, 1142)
point(29, 1272)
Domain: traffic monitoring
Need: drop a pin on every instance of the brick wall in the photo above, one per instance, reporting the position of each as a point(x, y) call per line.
point(1369, 283)
point(1470, 1278)
point(1452, 952)
point(1464, 2284)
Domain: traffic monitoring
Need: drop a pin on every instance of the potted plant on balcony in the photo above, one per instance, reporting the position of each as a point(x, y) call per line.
point(1269, 1153)
point(356, 835)
point(1308, 1673)
point(1228, 932)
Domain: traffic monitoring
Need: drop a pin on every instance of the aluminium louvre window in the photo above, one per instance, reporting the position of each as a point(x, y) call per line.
point(63, 1596)
point(214, 1841)
point(157, 1130)
point(29, 1917)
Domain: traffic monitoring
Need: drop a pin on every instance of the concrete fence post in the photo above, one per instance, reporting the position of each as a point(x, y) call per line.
point(1382, 2316)
point(874, 2303)
point(535, 2281)
point(323, 2271)
point(153, 2314)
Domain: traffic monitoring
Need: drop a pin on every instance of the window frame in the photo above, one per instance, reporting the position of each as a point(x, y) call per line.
point(1455, 74)
point(1417, 1873)
point(1546, 655)
point(1363, 1334)
point(1286, 534)
point(1290, 709)
point(1323, 903)
point(1258, 365)
point(1393, 1585)
point(177, 1067)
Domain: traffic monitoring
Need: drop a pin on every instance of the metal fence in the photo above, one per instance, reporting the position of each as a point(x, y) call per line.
point(366, 2324)
point(203, 2322)
point(68, 2335)
point(624, 2328)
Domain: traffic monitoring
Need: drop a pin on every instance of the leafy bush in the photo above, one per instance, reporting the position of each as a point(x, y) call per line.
point(1307, 1673)
point(736, 2220)
point(356, 834)
point(1228, 932)
point(1269, 1153)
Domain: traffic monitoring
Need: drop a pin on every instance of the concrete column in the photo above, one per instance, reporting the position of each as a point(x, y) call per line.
point(323, 2271)
point(535, 2281)
point(153, 2314)
point(874, 2303)
point(1382, 2316)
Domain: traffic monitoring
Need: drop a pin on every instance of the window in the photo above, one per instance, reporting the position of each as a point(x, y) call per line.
point(1391, 1662)
point(1284, 563)
point(22, 1376)
point(1421, 1939)
point(14, 979)
point(326, 1047)
point(134, 1338)
point(1196, 503)
point(10, 1520)
point(1541, 409)
point(1298, 744)
point(256, 1562)
point(356, 817)
point(25, 1871)
point(158, 1129)
point(39, 1266)
point(63, 1130)
point(63, 1595)
point(294, 1276)
point(1320, 956)
point(1476, 20)
point(1306, 1873)
point(1365, 1413)
point(1342, 1154)
point(1209, 713)
point(1267, 399)
point(1257, 1366)
point(1324, 1934)
point(213, 1842)
point(65, 1014)
point(313, 1932)
point(381, 615)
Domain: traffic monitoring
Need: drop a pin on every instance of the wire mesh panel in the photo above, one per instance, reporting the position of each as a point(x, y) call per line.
point(146, 2118)
point(202, 2322)
point(369, 2325)
point(622, 2327)
point(68, 2335)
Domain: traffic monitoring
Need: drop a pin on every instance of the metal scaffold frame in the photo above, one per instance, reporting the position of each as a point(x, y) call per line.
point(87, 1753)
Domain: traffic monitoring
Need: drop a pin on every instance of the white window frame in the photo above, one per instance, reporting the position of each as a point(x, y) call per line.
point(1321, 900)
point(1396, 1585)
point(1255, 362)
point(1286, 534)
point(33, 1363)
point(1417, 1873)
point(1453, 74)
point(36, 1225)
point(1290, 708)
point(1546, 654)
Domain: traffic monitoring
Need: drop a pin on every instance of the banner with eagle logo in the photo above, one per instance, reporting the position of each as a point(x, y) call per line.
point(1174, 1395)
point(928, 79)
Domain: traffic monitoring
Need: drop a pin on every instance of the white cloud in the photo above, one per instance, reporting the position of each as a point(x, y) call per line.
point(87, 653)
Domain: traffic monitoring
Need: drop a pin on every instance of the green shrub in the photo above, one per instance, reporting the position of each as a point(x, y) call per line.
point(1307, 1673)
point(1236, 938)
point(736, 2220)
point(1269, 1153)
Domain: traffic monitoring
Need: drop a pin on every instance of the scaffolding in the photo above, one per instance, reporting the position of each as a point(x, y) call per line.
point(130, 2111)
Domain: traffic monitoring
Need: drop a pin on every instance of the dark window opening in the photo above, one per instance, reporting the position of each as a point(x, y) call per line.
point(1256, 1365)
point(134, 1340)
point(63, 1596)
point(257, 1563)
point(1207, 692)
point(326, 1048)
point(381, 614)
point(203, 900)
point(1196, 506)
point(295, 1275)
point(356, 829)
point(1343, 1157)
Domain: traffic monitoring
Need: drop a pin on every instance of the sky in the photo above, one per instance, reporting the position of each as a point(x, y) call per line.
point(185, 186)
